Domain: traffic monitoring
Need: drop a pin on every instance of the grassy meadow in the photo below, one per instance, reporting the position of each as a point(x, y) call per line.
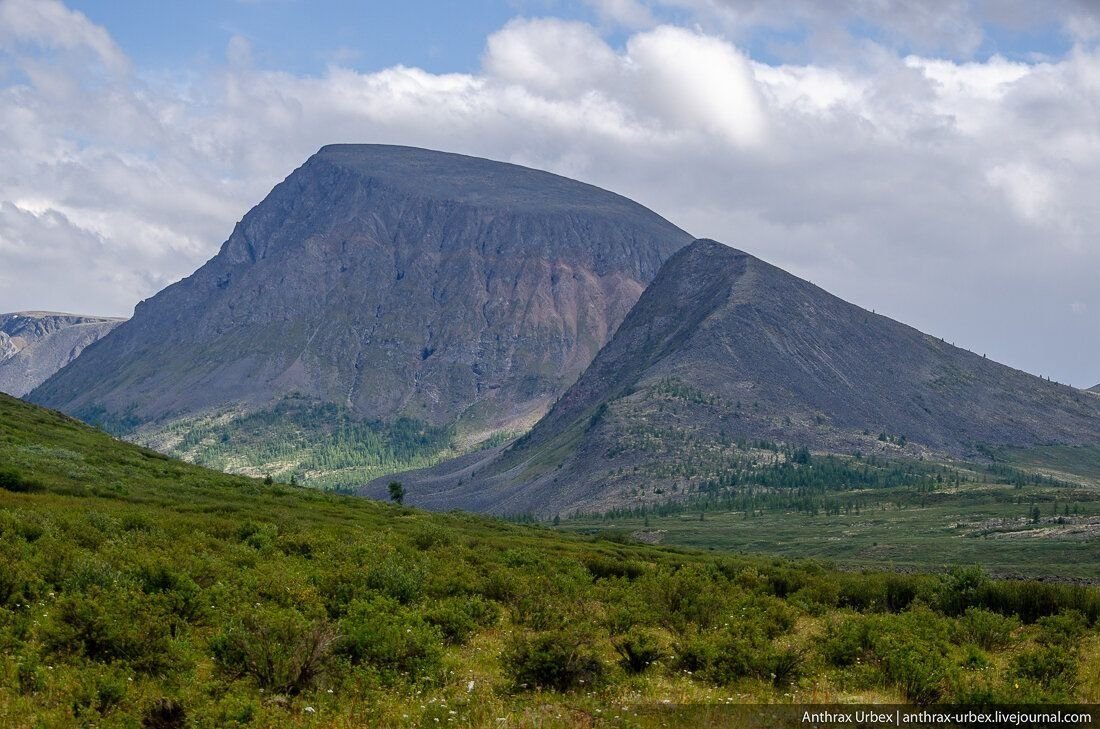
point(137, 590)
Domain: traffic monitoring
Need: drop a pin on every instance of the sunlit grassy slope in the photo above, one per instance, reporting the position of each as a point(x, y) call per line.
point(138, 589)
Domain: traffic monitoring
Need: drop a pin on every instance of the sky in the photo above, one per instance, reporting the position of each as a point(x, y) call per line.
point(935, 161)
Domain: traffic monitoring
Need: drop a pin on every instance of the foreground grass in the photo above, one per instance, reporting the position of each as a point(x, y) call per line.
point(136, 590)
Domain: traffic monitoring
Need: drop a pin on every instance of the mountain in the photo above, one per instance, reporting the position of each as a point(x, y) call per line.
point(36, 344)
point(405, 294)
point(1094, 389)
point(724, 358)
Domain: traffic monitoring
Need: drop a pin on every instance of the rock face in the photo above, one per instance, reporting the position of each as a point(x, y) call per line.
point(391, 281)
point(36, 344)
point(723, 350)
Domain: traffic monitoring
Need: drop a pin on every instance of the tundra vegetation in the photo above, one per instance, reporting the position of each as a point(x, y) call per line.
point(137, 590)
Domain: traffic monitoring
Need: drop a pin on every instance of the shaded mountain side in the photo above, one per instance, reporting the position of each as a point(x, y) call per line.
point(36, 344)
point(392, 282)
point(724, 356)
point(1095, 389)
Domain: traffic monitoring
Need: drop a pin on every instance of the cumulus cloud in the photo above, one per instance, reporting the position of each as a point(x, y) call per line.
point(951, 194)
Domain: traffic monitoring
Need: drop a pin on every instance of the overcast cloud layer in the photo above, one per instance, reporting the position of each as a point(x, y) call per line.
point(956, 195)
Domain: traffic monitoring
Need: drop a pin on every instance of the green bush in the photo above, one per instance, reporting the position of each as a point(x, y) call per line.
point(11, 480)
point(278, 647)
point(1051, 666)
point(398, 577)
point(458, 618)
point(559, 660)
point(393, 639)
point(1064, 629)
point(846, 640)
point(603, 567)
point(737, 651)
point(694, 595)
point(638, 650)
point(111, 627)
point(917, 669)
point(986, 628)
point(1030, 601)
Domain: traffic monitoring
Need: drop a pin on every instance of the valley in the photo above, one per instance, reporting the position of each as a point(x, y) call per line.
point(987, 518)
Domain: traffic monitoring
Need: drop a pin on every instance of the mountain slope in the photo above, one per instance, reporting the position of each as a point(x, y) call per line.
point(724, 351)
point(36, 344)
point(389, 282)
point(1095, 389)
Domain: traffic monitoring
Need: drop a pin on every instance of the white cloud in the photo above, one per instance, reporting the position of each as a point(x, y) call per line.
point(628, 13)
point(956, 196)
point(51, 25)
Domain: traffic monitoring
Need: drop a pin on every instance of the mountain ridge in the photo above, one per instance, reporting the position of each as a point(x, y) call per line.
point(723, 350)
point(36, 344)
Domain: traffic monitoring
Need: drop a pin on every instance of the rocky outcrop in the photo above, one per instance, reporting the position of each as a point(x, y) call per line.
point(35, 344)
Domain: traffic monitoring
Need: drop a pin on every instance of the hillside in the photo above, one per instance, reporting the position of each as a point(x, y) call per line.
point(724, 359)
point(36, 344)
point(139, 589)
point(452, 296)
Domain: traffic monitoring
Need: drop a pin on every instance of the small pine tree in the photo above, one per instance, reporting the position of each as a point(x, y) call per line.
point(397, 492)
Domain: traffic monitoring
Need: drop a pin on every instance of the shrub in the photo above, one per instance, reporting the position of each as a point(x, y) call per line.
point(985, 628)
point(458, 618)
point(398, 577)
point(558, 660)
point(961, 588)
point(917, 669)
point(786, 665)
point(97, 693)
point(278, 647)
point(176, 591)
point(737, 651)
point(29, 675)
point(394, 640)
point(1062, 630)
point(1051, 666)
point(110, 627)
point(430, 536)
point(1030, 601)
point(164, 713)
point(11, 480)
point(974, 658)
point(602, 567)
point(15, 583)
point(638, 650)
point(846, 640)
point(690, 596)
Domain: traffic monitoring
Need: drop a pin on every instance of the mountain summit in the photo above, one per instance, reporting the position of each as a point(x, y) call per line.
point(389, 283)
point(724, 351)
